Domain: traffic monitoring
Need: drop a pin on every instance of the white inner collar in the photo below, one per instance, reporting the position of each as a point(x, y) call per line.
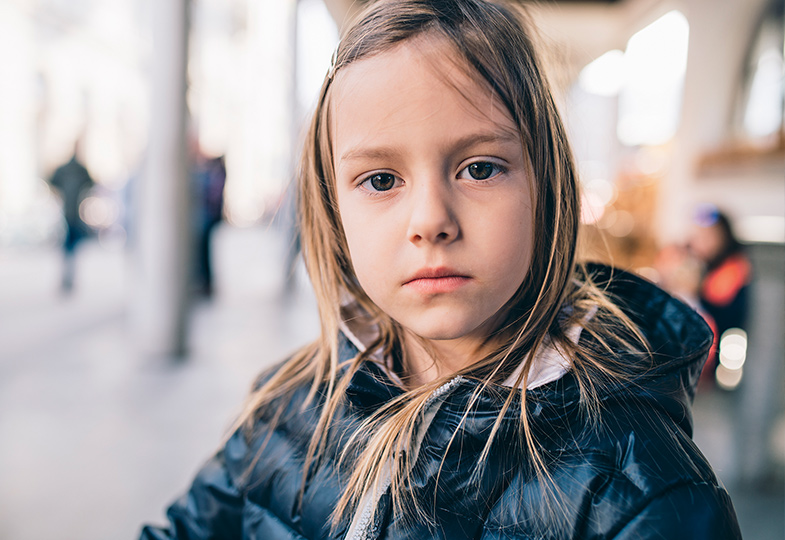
point(549, 365)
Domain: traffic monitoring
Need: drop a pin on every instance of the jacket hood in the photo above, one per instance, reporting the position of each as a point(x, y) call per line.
point(678, 337)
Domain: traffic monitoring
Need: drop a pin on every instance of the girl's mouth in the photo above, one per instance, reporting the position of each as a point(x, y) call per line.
point(437, 280)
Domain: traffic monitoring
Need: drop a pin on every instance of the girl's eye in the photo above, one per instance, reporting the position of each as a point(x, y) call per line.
point(480, 170)
point(380, 182)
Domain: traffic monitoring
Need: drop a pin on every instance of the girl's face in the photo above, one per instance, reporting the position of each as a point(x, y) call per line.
point(433, 189)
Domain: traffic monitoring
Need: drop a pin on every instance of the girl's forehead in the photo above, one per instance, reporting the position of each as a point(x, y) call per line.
point(426, 51)
point(425, 71)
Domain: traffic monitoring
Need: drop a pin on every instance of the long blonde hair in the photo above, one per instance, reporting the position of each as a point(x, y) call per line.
point(495, 43)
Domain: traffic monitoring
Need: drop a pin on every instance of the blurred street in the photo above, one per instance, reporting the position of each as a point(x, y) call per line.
point(97, 439)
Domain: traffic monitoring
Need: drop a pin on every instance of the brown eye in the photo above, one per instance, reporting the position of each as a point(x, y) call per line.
point(382, 181)
point(481, 170)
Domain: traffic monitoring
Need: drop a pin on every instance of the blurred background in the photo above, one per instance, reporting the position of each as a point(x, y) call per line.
point(148, 262)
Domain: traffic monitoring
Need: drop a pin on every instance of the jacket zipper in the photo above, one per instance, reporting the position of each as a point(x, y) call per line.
point(362, 526)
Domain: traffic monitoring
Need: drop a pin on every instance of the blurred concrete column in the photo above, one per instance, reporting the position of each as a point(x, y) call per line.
point(18, 106)
point(159, 310)
point(760, 399)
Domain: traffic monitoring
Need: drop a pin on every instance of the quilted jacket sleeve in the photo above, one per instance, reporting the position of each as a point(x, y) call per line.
point(213, 506)
point(688, 512)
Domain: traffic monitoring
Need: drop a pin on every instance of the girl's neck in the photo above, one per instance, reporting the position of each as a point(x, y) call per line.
point(428, 360)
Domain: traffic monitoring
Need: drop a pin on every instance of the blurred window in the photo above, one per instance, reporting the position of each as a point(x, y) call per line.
point(763, 90)
point(654, 63)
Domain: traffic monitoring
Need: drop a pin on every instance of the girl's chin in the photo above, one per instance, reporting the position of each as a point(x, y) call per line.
point(443, 335)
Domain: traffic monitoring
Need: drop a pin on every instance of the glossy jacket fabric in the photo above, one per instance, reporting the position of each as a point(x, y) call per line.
point(636, 476)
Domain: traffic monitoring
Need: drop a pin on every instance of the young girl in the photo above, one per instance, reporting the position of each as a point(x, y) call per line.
point(472, 380)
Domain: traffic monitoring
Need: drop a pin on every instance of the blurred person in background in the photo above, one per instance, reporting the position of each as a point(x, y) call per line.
point(72, 181)
point(210, 178)
point(724, 287)
point(723, 291)
point(711, 273)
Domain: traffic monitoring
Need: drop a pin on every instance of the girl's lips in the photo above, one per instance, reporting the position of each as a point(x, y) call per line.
point(434, 272)
point(436, 281)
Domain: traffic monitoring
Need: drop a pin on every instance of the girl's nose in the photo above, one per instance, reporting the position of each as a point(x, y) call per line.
point(432, 219)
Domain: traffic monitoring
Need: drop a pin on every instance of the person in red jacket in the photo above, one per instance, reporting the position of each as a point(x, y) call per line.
point(724, 287)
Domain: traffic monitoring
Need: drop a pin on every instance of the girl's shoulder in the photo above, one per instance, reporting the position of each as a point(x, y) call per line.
point(619, 493)
point(637, 475)
point(635, 472)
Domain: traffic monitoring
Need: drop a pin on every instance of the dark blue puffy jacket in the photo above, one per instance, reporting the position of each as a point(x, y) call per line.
point(636, 476)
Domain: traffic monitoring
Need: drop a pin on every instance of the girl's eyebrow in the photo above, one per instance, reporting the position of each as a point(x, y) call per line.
point(500, 137)
point(362, 152)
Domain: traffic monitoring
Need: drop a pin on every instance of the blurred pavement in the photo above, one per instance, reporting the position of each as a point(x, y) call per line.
point(97, 439)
